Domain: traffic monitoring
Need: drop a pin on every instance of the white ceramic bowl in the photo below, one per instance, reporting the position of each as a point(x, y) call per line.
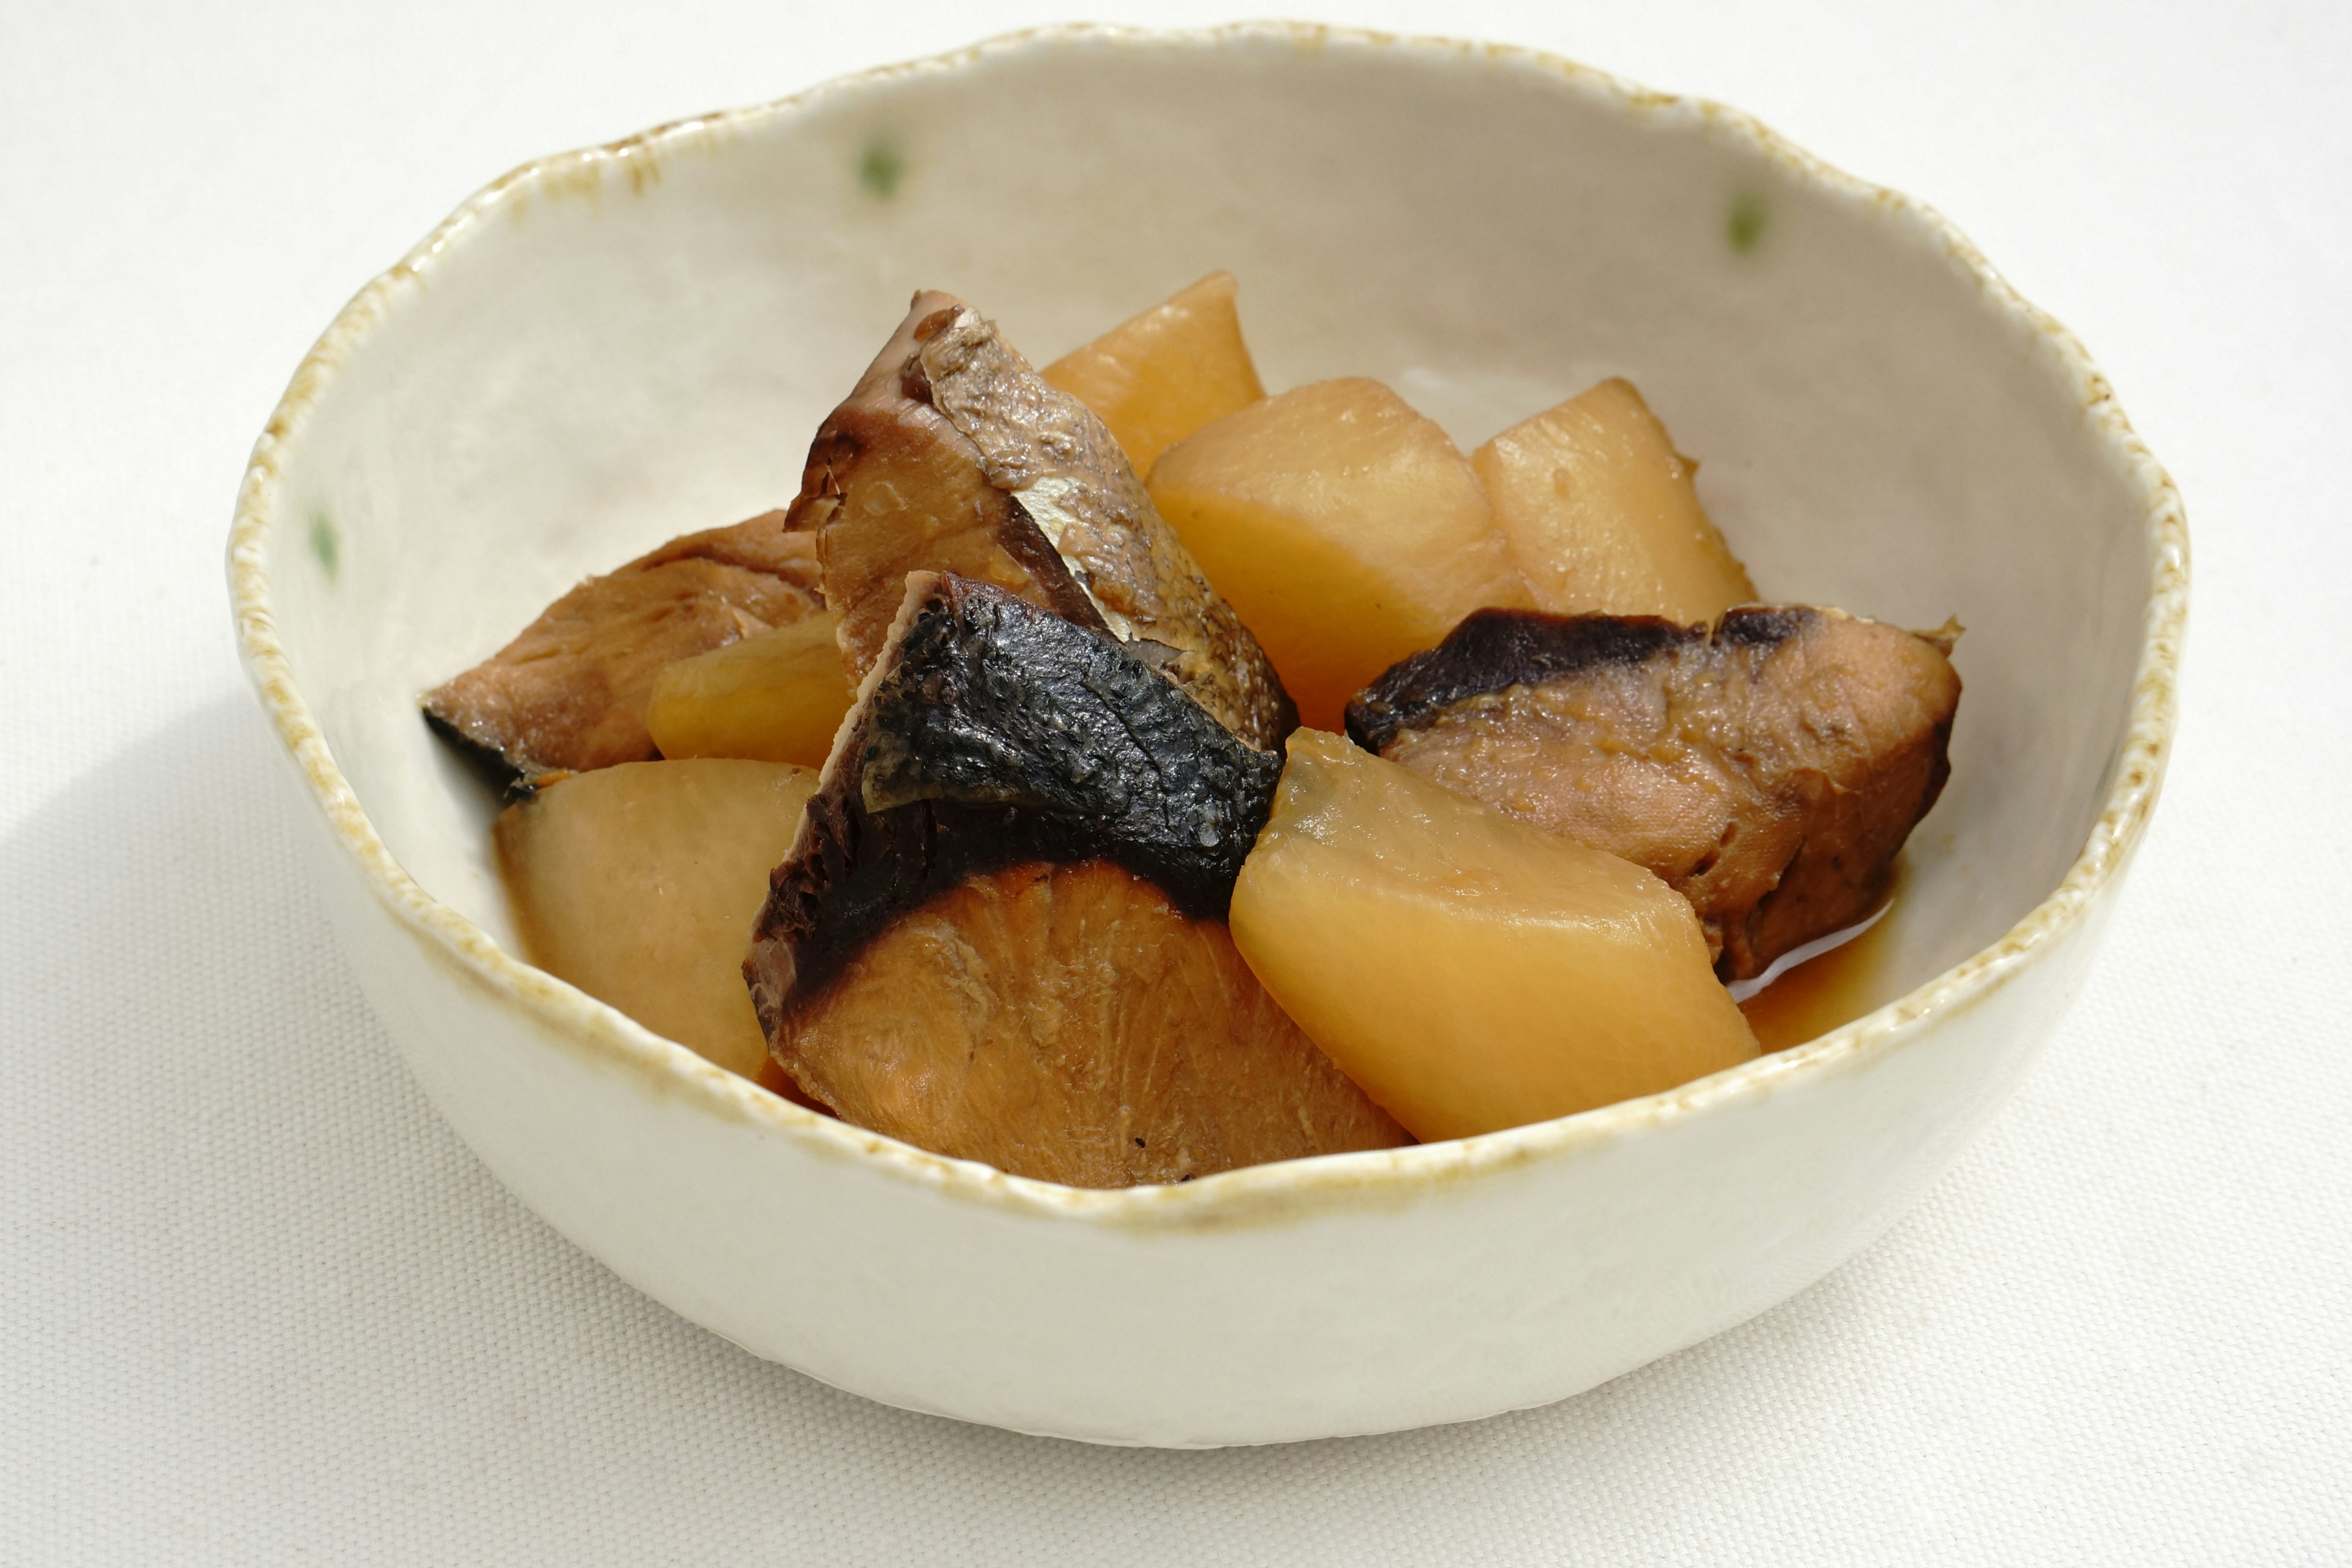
point(611, 347)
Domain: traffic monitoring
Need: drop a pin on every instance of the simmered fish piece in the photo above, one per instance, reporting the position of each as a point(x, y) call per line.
point(1001, 932)
point(952, 455)
point(572, 693)
point(1770, 771)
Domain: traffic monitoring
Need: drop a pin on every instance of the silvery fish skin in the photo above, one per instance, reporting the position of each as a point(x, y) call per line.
point(953, 454)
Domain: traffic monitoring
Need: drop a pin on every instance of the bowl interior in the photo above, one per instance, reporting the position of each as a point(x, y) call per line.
point(629, 345)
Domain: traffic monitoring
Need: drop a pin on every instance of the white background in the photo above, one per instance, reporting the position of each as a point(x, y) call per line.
point(257, 1305)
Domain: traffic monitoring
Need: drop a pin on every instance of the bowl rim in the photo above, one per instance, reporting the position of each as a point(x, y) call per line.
point(1290, 1190)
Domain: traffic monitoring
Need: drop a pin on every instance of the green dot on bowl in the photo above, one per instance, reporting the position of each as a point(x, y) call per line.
point(326, 545)
point(880, 167)
point(1748, 215)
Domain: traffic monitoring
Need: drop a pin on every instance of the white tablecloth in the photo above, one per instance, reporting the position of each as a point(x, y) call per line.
point(257, 1305)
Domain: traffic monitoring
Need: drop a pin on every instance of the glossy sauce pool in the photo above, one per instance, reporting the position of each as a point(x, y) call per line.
point(1825, 991)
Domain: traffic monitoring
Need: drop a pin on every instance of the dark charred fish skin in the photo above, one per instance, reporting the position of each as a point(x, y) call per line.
point(999, 935)
point(953, 454)
point(1768, 770)
point(1495, 648)
point(996, 733)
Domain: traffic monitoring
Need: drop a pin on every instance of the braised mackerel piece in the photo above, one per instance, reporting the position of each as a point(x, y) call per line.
point(952, 455)
point(1001, 932)
point(1768, 772)
point(571, 693)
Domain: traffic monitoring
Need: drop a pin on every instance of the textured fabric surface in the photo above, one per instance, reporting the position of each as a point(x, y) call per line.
point(259, 1305)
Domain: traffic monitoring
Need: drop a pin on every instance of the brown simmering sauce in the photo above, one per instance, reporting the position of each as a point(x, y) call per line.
point(1826, 991)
